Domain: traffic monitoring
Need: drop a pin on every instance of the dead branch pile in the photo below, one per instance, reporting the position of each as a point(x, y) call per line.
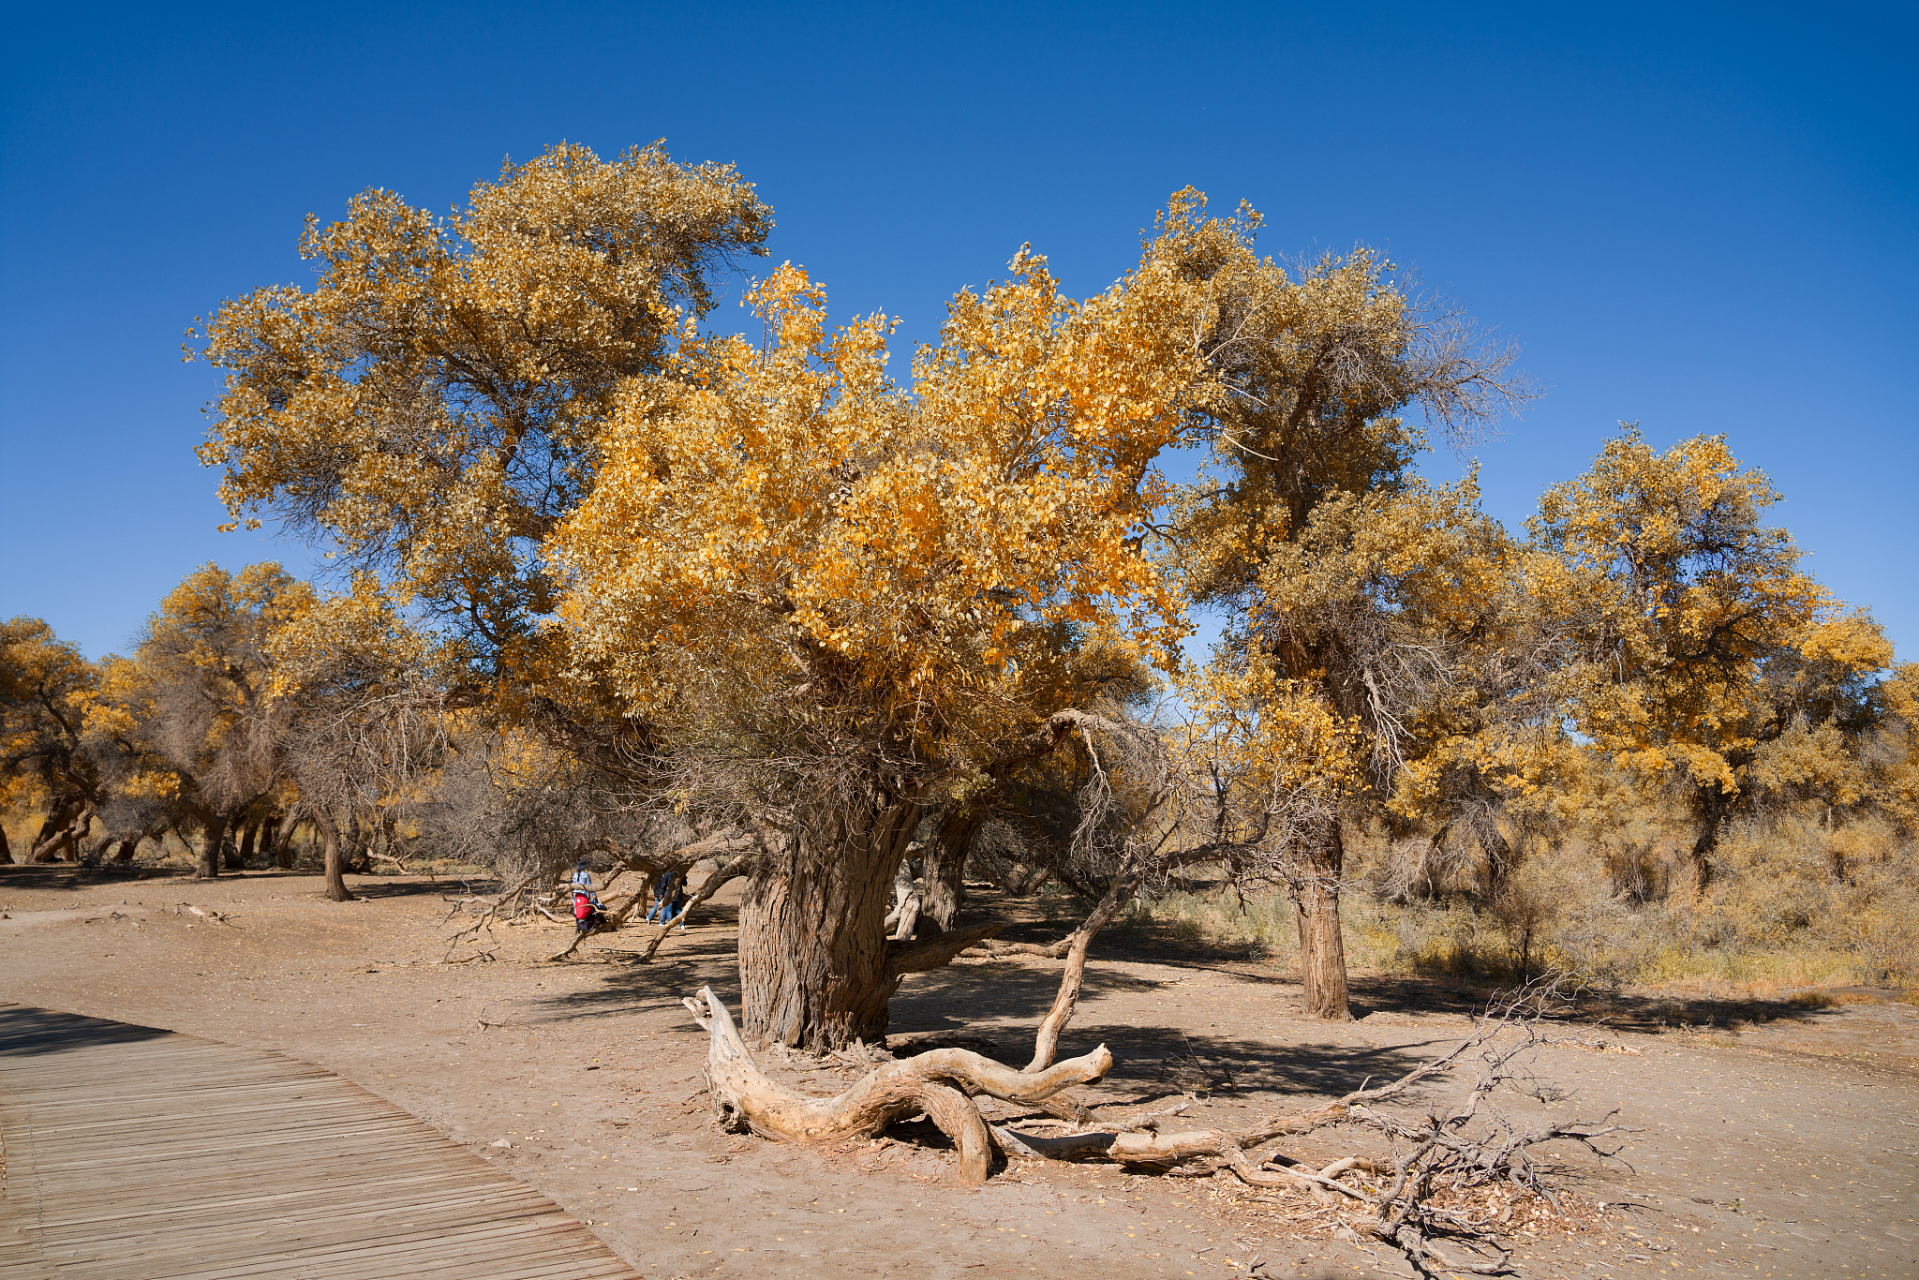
point(1412, 1181)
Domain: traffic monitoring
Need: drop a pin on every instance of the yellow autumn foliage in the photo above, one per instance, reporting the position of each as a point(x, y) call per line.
point(783, 518)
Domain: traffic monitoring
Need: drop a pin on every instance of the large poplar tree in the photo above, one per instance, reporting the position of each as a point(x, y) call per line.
point(755, 578)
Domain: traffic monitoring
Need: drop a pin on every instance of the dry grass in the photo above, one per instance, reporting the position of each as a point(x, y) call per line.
point(1794, 906)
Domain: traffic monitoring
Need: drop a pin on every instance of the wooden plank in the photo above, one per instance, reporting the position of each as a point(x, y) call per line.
point(123, 1164)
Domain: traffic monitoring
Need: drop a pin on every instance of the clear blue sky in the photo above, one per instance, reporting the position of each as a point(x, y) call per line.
point(1702, 218)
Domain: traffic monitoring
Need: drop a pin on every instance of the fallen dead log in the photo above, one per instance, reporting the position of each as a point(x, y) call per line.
point(937, 1082)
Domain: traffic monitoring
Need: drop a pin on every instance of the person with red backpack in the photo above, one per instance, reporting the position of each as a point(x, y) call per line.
point(587, 914)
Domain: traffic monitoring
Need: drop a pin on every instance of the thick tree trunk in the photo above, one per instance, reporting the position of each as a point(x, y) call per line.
point(1322, 947)
point(946, 865)
point(46, 840)
point(336, 890)
point(65, 824)
point(1500, 862)
point(6, 853)
point(213, 834)
point(249, 835)
point(814, 969)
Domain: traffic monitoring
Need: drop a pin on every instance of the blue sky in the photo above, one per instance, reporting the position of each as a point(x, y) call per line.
point(1698, 217)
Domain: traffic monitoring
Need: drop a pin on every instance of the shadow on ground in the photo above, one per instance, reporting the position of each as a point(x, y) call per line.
point(26, 1031)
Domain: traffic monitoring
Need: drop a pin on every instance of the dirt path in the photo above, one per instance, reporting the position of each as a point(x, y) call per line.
point(1784, 1149)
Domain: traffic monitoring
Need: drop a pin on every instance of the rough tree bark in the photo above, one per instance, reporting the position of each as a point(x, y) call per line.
point(816, 968)
point(946, 863)
point(213, 834)
point(1322, 946)
point(336, 890)
point(813, 947)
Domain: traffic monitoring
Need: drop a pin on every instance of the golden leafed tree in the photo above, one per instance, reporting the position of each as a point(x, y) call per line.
point(434, 404)
point(841, 599)
point(1342, 579)
point(193, 716)
point(755, 578)
point(47, 690)
point(1706, 641)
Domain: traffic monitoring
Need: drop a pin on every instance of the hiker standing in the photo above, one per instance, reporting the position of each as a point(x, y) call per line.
point(666, 897)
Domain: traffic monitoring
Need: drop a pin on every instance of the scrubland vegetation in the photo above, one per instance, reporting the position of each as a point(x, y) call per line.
point(1778, 918)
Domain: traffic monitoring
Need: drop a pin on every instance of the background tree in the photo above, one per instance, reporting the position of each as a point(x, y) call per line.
point(361, 729)
point(192, 716)
point(1708, 642)
point(47, 691)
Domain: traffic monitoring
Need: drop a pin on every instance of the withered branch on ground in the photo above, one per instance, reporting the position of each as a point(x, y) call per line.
point(1408, 1191)
point(509, 902)
point(1470, 1144)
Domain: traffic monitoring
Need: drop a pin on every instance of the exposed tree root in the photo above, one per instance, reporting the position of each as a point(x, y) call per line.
point(936, 1082)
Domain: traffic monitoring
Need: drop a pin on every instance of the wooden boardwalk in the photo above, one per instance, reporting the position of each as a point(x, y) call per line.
point(136, 1154)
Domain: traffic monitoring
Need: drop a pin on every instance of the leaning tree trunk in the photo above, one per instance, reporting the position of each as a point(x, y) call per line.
point(1322, 947)
point(213, 834)
point(814, 962)
point(1066, 999)
point(243, 854)
point(61, 832)
point(358, 840)
point(283, 836)
point(336, 890)
point(46, 841)
point(946, 864)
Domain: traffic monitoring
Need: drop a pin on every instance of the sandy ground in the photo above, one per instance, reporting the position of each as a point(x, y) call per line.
point(1774, 1140)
